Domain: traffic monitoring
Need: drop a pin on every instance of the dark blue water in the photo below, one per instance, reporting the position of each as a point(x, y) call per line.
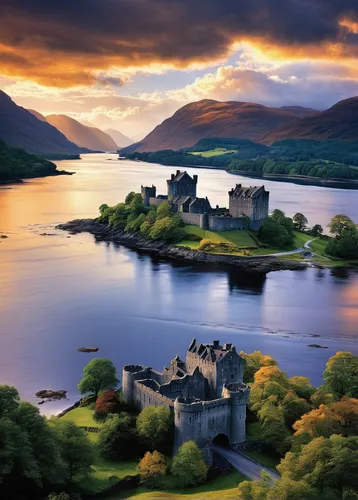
point(59, 293)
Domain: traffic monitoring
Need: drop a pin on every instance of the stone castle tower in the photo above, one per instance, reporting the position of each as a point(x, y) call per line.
point(181, 184)
point(252, 202)
point(206, 394)
point(147, 193)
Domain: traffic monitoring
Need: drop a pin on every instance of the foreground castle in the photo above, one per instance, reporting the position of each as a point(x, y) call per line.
point(206, 393)
point(244, 202)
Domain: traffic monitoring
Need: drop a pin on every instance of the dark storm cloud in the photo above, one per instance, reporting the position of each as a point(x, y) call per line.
point(98, 34)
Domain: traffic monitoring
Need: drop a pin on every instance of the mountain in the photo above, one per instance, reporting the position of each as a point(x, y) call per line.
point(86, 137)
point(338, 123)
point(209, 118)
point(19, 128)
point(299, 111)
point(120, 139)
point(38, 115)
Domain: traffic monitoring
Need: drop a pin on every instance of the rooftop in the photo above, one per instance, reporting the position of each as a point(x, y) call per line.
point(246, 192)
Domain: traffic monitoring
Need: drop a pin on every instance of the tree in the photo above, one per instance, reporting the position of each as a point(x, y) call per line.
point(117, 438)
point(152, 467)
point(317, 230)
point(327, 465)
point(271, 373)
point(294, 407)
point(343, 247)
point(129, 198)
point(340, 417)
point(254, 362)
point(256, 490)
point(98, 375)
point(155, 424)
point(189, 466)
point(163, 210)
point(29, 455)
point(107, 402)
point(341, 375)
point(341, 223)
point(273, 426)
point(288, 489)
point(302, 386)
point(75, 448)
point(299, 221)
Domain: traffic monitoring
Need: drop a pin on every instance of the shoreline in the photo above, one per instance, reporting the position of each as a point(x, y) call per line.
point(173, 252)
point(22, 180)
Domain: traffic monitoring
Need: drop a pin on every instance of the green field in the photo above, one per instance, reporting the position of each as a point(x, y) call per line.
point(215, 152)
point(242, 239)
point(223, 487)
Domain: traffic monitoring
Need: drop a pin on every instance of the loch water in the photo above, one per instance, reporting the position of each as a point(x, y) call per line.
point(58, 293)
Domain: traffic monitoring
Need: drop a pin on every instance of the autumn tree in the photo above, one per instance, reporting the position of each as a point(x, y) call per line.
point(341, 375)
point(152, 467)
point(107, 402)
point(188, 465)
point(302, 386)
point(98, 374)
point(254, 362)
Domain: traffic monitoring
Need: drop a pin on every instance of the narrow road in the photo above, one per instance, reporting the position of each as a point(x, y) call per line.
point(306, 246)
point(243, 464)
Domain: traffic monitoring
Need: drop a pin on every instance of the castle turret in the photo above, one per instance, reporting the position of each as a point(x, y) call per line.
point(147, 193)
point(239, 394)
point(187, 421)
point(131, 373)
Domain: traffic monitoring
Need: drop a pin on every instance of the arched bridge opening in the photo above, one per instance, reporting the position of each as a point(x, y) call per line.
point(221, 441)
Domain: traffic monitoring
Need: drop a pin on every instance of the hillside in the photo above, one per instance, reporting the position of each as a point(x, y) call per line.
point(17, 164)
point(19, 128)
point(86, 137)
point(120, 139)
point(338, 123)
point(209, 118)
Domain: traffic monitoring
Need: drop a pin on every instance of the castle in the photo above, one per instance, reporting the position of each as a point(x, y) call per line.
point(248, 206)
point(206, 393)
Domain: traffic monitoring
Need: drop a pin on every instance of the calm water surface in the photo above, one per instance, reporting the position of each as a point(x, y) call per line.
point(59, 293)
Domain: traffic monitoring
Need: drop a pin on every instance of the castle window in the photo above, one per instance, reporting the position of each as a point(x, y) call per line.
point(232, 376)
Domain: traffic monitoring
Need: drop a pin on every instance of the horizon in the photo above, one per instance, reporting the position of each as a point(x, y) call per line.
point(110, 68)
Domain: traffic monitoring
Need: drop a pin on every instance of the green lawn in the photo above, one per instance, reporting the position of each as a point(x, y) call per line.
point(214, 152)
point(83, 417)
point(242, 239)
point(223, 487)
point(104, 474)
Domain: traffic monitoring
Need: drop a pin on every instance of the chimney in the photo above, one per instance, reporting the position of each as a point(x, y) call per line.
point(195, 177)
point(172, 176)
point(178, 172)
point(227, 347)
point(216, 343)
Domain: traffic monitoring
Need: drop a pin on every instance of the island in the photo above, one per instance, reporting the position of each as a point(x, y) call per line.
point(17, 164)
point(182, 226)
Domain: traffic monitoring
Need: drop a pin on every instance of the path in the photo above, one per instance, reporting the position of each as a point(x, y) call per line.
point(244, 464)
point(306, 246)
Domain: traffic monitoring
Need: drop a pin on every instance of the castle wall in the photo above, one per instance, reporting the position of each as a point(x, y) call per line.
point(156, 201)
point(225, 223)
point(207, 368)
point(144, 396)
point(147, 193)
point(240, 206)
point(189, 218)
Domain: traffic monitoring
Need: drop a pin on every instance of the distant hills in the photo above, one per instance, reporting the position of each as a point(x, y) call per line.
point(19, 128)
point(338, 123)
point(209, 118)
point(120, 139)
point(86, 137)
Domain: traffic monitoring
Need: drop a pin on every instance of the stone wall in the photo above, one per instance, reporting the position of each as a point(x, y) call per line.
point(156, 201)
point(226, 223)
point(144, 396)
point(189, 218)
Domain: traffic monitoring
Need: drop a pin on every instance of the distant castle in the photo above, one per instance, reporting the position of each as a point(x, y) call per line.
point(244, 202)
point(206, 394)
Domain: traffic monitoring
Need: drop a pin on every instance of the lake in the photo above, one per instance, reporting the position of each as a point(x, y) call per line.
point(59, 293)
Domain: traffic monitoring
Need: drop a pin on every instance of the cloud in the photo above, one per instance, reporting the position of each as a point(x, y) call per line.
point(67, 43)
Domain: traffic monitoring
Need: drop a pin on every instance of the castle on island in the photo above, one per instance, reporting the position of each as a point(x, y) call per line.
point(248, 206)
point(206, 393)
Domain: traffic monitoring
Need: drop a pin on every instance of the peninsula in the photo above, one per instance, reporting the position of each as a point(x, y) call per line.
point(179, 225)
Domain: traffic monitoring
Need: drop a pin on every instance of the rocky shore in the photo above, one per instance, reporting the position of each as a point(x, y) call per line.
point(174, 252)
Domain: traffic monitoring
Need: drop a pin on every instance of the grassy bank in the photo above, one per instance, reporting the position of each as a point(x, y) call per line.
point(223, 487)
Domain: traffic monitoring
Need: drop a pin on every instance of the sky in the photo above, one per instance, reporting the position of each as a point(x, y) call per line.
point(130, 64)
